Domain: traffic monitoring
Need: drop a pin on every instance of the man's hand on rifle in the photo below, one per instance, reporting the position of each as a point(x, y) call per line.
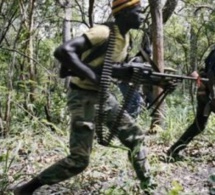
point(171, 85)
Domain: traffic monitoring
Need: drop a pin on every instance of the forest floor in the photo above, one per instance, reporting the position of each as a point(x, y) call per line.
point(109, 172)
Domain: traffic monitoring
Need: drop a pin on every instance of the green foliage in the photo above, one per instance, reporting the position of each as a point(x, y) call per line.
point(7, 160)
point(189, 23)
point(176, 188)
point(45, 51)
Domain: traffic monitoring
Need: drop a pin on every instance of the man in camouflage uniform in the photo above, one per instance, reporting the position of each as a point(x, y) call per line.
point(83, 96)
point(205, 105)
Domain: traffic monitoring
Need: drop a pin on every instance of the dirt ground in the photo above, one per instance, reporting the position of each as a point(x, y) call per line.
point(110, 173)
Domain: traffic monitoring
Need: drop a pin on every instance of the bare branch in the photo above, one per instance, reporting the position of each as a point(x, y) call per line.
point(199, 7)
point(90, 12)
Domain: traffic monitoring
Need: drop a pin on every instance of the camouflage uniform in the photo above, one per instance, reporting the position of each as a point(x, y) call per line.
point(82, 103)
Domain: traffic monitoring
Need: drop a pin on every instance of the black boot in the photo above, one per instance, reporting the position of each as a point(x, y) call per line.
point(28, 188)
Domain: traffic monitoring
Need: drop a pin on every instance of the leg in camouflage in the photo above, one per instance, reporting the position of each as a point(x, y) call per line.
point(81, 139)
point(132, 137)
point(81, 104)
point(138, 156)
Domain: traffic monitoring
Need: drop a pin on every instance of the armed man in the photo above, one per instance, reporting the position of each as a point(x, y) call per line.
point(83, 96)
point(205, 106)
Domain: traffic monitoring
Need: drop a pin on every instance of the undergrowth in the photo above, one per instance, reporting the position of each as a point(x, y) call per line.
point(32, 146)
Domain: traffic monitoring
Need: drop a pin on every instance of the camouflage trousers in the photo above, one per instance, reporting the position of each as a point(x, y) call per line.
point(81, 103)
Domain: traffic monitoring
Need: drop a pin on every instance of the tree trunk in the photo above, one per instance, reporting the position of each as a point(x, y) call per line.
point(67, 31)
point(90, 12)
point(32, 68)
point(28, 68)
point(158, 54)
point(5, 111)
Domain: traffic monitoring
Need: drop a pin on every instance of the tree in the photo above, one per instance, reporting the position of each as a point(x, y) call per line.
point(155, 19)
point(158, 53)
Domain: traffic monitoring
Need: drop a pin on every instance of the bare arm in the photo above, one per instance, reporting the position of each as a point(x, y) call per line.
point(69, 55)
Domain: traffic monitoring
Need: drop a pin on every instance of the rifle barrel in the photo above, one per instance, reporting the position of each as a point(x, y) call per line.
point(181, 77)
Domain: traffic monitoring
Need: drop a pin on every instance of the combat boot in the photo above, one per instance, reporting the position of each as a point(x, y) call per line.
point(28, 188)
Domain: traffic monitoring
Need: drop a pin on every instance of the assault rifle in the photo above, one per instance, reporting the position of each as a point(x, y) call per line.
point(157, 77)
point(148, 76)
point(167, 81)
